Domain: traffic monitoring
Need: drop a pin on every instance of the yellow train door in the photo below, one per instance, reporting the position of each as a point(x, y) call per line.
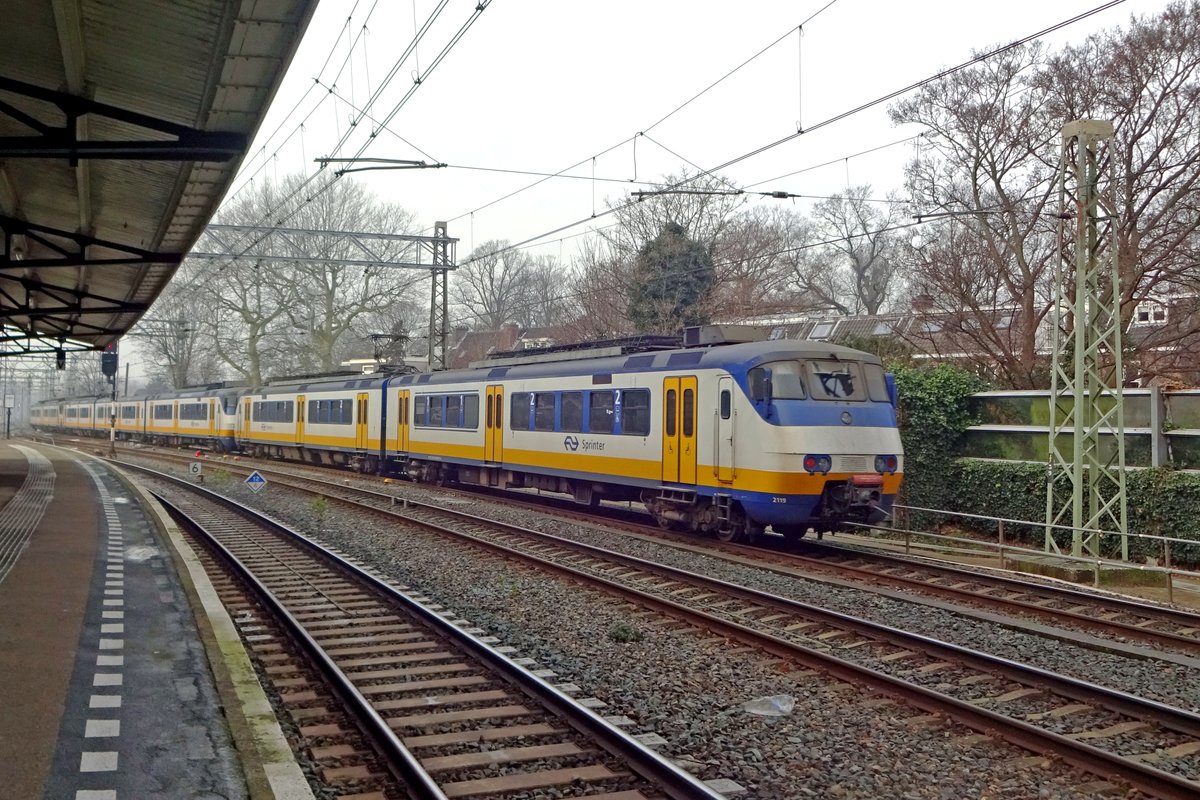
point(670, 446)
point(360, 424)
point(679, 429)
point(403, 399)
point(300, 419)
point(212, 417)
point(493, 424)
point(687, 429)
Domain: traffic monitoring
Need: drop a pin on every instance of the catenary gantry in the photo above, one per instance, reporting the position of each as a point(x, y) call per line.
point(121, 126)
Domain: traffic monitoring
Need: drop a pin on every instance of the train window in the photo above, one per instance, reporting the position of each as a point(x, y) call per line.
point(434, 417)
point(454, 411)
point(572, 412)
point(635, 416)
point(836, 380)
point(786, 381)
point(419, 410)
point(520, 411)
point(85, 412)
point(193, 411)
point(471, 411)
point(689, 412)
point(487, 417)
point(600, 413)
point(671, 394)
point(164, 411)
point(876, 383)
point(726, 403)
point(543, 411)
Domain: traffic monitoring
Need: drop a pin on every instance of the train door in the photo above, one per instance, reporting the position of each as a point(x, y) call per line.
point(724, 429)
point(301, 417)
point(246, 417)
point(493, 424)
point(403, 400)
point(360, 422)
point(212, 418)
point(679, 429)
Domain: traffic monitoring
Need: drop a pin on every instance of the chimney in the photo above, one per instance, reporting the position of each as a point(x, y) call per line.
point(509, 333)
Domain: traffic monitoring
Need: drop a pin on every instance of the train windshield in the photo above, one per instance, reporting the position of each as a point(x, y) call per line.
point(836, 380)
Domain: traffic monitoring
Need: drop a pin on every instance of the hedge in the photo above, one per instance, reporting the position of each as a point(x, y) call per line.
point(1162, 502)
point(934, 411)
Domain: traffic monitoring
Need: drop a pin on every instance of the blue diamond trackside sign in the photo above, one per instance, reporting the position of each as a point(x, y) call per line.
point(256, 481)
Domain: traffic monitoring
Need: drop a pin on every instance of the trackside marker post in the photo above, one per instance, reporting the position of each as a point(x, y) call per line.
point(256, 482)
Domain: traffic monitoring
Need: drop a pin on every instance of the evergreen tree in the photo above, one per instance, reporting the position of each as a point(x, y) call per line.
point(673, 279)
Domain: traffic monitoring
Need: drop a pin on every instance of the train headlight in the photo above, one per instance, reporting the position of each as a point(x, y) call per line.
point(817, 463)
point(886, 464)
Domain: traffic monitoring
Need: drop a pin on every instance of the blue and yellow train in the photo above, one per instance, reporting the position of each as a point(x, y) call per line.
point(727, 438)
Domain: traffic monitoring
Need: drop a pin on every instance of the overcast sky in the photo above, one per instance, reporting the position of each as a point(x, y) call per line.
point(540, 85)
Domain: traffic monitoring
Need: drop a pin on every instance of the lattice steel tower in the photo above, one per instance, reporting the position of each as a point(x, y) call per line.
point(439, 316)
point(1085, 475)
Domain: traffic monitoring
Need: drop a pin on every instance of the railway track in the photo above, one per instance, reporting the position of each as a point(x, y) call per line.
point(445, 714)
point(1147, 623)
point(1152, 746)
point(1154, 624)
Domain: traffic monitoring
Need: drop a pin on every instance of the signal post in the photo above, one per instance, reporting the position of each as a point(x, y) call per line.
point(108, 365)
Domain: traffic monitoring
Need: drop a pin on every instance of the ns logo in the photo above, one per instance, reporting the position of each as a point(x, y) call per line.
point(571, 443)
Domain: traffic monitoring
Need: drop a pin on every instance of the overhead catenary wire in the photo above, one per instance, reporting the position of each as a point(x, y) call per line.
point(474, 16)
point(633, 138)
point(848, 113)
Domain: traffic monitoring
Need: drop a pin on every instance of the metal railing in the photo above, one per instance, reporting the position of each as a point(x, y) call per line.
point(1004, 550)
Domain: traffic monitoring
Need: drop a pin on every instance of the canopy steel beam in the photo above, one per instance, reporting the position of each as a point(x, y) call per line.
point(188, 144)
point(72, 250)
point(1085, 470)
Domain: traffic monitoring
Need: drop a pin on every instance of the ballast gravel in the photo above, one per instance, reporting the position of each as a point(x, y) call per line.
point(689, 686)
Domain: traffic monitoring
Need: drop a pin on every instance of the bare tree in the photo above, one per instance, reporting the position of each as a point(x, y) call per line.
point(493, 285)
point(755, 263)
point(176, 336)
point(987, 177)
point(599, 290)
point(329, 298)
point(304, 315)
point(864, 246)
point(547, 299)
point(992, 158)
point(604, 272)
point(1146, 79)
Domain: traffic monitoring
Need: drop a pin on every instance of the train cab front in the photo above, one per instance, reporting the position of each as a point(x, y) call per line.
point(858, 497)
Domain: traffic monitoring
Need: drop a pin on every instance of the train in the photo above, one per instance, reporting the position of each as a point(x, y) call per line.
point(717, 433)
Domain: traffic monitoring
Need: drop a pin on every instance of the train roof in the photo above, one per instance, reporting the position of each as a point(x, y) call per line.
point(733, 357)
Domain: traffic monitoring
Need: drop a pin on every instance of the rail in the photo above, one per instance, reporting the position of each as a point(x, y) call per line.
point(1003, 550)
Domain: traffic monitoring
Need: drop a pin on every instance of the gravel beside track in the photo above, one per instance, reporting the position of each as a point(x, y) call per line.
point(837, 742)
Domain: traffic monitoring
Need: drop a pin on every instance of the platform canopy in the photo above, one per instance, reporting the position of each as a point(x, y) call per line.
point(122, 124)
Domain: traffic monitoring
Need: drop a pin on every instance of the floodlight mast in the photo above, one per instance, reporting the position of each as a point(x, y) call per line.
point(1085, 468)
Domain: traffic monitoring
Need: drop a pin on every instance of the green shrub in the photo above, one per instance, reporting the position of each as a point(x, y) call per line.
point(624, 632)
point(1161, 502)
point(933, 411)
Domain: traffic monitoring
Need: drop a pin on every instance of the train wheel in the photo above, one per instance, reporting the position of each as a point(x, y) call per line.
point(738, 528)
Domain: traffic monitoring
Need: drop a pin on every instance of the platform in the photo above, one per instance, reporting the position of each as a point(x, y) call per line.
point(110, 685)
